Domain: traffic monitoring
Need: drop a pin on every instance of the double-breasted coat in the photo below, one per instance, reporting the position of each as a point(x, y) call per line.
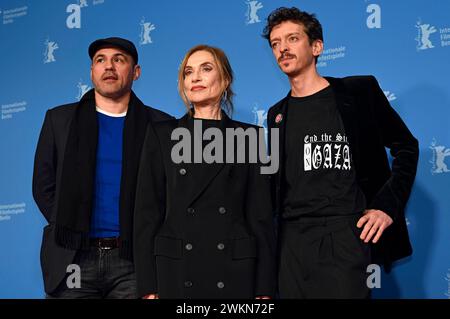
point(201, 230)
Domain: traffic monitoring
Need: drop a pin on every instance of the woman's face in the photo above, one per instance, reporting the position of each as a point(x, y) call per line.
point(202, 83)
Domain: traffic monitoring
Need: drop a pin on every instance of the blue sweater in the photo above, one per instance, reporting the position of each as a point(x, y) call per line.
point(105, 213)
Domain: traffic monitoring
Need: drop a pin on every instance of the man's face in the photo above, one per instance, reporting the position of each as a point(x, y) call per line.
point(291, 48)
point(113, 72)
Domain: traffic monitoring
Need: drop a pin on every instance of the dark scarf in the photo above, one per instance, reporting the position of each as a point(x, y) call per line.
point(74, 206)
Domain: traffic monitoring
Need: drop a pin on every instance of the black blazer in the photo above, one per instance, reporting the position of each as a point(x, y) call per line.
point(201, 230)
point(48, 164)
point(371, 124)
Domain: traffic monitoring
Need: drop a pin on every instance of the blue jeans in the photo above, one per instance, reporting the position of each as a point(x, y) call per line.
point(103, 275)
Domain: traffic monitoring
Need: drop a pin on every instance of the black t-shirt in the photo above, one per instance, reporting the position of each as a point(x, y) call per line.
point(319, 176)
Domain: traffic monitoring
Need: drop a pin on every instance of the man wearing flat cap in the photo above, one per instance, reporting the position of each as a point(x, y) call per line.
point(84, 179)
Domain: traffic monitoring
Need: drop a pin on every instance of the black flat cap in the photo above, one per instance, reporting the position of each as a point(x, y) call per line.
point(114, 42)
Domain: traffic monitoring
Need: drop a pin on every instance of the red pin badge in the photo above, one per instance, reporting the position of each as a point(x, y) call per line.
point(278, 118)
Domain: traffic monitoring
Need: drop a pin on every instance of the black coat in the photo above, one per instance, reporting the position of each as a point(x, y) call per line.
point(48, 163)
point(201, 230)
point(371, 124)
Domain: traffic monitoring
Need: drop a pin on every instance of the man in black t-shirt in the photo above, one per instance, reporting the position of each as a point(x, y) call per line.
point(339, 204)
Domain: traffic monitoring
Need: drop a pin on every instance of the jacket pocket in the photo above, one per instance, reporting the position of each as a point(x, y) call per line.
point(168, 247)
point(244, 248)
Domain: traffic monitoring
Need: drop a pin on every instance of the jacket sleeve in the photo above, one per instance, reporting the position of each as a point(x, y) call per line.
point(404, 148)
point(44, 171)
point(149, 212)
point(261, 222)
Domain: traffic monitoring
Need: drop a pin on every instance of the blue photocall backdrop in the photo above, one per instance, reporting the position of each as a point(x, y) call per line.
point(44, 63)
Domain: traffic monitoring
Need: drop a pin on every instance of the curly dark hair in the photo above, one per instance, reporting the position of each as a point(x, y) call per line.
point(312, 26)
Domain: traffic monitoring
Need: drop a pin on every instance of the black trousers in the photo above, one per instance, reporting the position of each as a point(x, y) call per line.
point(323, 257)
point(103, 275)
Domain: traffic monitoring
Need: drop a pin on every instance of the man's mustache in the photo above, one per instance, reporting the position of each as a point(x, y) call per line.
point(286, 55)
point(109, 75)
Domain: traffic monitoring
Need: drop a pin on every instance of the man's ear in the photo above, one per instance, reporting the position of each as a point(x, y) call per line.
point(136, 72)
point(317, 47)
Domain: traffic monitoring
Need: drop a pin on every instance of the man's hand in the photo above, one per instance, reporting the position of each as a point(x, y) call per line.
point(376, 222)
point(151, 296)
point(263, 297)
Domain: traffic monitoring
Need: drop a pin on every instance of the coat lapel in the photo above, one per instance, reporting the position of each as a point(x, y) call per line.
point(194, 178)
point(347, 109)
point(278, 121)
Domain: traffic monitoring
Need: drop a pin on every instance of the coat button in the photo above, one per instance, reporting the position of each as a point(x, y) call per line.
point(182, 171)
point(222, 210)
point(220, 285)
point(188, 284)
point(188, 246)
point(191, 210)
point(220, 246)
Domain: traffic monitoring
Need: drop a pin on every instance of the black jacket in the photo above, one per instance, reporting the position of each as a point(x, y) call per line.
point(48, 163)
point(371, 124)
point(201, 230)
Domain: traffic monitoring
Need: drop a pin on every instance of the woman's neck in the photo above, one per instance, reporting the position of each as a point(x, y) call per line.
point(210, 112)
